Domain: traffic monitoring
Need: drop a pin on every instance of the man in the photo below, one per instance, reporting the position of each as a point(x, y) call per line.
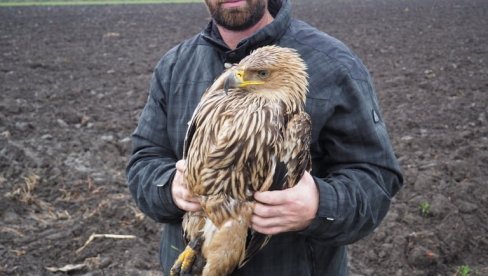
point(355, 173)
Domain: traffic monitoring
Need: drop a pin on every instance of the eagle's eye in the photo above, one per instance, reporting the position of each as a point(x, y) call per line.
point(263, 74)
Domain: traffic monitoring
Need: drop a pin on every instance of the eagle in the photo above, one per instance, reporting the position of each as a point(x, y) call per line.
point(248, 133)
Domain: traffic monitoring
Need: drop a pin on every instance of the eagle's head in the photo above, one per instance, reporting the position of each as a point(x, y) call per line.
point(271, 71)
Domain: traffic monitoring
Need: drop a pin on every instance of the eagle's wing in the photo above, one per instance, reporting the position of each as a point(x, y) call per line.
point(295, 154)
point(296, 145)
point(193, 222)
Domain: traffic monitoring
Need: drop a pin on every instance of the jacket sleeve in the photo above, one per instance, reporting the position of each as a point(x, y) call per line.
point(151, 168)
point(357, 173)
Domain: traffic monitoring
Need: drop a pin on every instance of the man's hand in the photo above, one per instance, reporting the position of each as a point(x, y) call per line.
point(181, 195)
point(286, 210)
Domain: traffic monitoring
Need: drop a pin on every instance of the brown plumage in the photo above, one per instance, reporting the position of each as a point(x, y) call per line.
point(249, 133)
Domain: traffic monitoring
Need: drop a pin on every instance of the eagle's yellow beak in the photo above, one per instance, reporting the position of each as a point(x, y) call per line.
point(236, 80)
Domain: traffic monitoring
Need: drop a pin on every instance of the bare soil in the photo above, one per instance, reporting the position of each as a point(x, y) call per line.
point(74, 79)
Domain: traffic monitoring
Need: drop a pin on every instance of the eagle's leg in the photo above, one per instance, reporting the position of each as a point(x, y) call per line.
point(184, 265)
point(226, 250)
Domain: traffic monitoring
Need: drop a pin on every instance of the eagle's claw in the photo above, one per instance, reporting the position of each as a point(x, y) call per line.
point(190, 261)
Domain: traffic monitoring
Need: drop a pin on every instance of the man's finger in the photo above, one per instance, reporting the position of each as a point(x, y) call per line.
point(266, 211)
point(267, 230)
point(272, 197)
point(190, 206)
point(263, 222)
point(181, 165)
point(186, 195)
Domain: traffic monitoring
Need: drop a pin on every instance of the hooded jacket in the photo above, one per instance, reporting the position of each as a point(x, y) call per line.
point(354, 166)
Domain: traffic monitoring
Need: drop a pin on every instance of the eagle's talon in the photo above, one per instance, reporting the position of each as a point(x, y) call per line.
point(186, 260)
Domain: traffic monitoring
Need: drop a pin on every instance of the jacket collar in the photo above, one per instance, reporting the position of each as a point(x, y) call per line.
point(281, 11)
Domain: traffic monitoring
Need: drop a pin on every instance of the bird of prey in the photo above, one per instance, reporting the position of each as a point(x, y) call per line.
point(249, 133)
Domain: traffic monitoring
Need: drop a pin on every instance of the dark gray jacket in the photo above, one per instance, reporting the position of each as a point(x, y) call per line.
point(354, 166)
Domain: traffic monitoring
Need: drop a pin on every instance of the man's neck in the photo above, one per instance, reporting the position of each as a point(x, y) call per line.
point(232, 38)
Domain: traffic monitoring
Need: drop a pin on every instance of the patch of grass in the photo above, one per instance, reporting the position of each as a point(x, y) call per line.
point(424, 208)
point(20, 3)
point(464, 270)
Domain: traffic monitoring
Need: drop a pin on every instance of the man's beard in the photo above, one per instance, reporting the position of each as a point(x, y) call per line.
point(237, 19)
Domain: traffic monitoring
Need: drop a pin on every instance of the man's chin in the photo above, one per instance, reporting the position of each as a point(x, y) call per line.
point(235, 20)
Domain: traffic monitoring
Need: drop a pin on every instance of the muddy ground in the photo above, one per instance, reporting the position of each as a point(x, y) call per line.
point(74, 79)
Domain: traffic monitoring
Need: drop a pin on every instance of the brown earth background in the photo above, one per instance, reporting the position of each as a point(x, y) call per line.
point(74, 79)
